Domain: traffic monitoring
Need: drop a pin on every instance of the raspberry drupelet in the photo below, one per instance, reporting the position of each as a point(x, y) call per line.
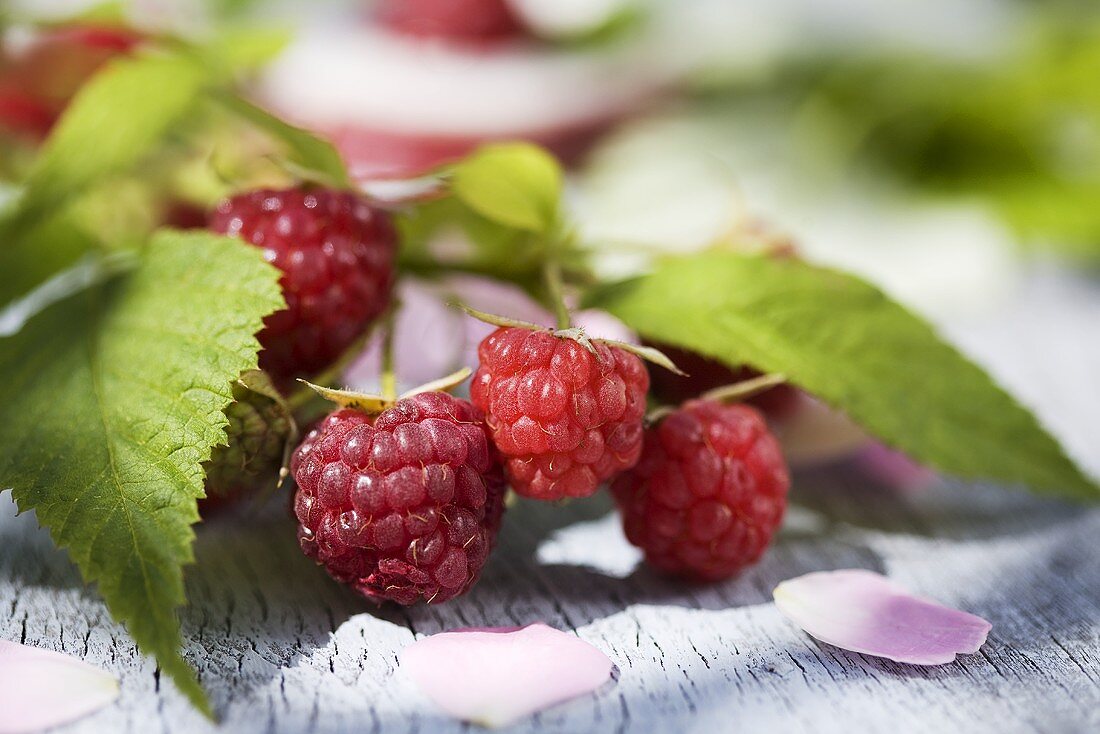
point(708, 493)
point(337, 256)
point(563, 418)
point(403, 507)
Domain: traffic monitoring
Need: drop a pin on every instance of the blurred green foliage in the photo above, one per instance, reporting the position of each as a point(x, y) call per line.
point(1021, 129)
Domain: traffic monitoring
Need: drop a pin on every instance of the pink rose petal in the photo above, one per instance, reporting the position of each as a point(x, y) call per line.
point(40, 689)
point(866, 612)
point(494, 677)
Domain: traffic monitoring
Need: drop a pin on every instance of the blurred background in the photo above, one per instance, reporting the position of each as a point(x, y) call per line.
point(936, 146)
point(948, 150)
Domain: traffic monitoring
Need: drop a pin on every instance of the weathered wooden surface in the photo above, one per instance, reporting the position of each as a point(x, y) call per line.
point(283, 649)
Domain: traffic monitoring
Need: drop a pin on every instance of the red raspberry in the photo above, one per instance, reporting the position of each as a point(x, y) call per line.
point(564, 418)
point(705, 374)
point(403, 508)
point(708, 493)
point(455, 20)
point(337, 257)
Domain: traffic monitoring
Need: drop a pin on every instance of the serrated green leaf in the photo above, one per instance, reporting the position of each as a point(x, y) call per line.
point(516, 184)
point(111, 124)
point(109, 403)
point(848, 343)
point(309, 154)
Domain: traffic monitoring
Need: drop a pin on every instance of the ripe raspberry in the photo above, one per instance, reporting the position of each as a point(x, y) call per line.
point(705, 374)
point(564, 418)
point(708, 493)
point(257, 433)
point(455, 20)
point(404, 508)
point(336, 253)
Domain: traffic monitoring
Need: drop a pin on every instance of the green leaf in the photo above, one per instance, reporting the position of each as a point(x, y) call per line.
point(244, 47)
point(846, 342)
point(109, 403)
point(310, 155)
point(515, 184)
point(111, 124)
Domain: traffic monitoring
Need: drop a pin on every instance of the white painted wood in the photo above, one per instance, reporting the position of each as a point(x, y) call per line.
point(283, 649)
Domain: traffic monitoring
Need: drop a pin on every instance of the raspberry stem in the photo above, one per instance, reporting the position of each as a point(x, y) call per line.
point(745, 389)
point(389, 375)
point(554, 289)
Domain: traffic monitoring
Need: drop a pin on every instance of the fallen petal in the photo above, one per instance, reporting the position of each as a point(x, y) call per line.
point(496, 676)
point(40, 689)
point(865, 612)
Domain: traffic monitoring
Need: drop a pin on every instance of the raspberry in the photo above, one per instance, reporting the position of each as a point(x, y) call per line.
point(337, 257)
point(565, 419)
point(705, 374)
point(454, 20)
point(257, 434)
point(708, 492)
point(403, 508)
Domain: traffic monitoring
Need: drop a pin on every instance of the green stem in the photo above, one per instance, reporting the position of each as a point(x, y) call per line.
point(552, 272)
point(745, 389)
point(389, 376)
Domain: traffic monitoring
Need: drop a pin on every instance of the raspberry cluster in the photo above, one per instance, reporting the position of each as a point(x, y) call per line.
point(406, 505)
point(564, 418)
point(403, 507)
point(337, 256)
point(708, 493)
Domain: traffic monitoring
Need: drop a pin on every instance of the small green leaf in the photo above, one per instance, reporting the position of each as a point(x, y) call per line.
point(846, 342)
point(311, 156)
point(111, 124)
point(111, 400)
point(244, 47)
point(515, 184)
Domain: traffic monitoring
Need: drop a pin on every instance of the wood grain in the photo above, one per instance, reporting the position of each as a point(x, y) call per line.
point(283, 649)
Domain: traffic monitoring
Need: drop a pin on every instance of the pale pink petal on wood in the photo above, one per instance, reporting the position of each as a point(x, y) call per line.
point(40, 689)
point(495, 677)
point(865, 612)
